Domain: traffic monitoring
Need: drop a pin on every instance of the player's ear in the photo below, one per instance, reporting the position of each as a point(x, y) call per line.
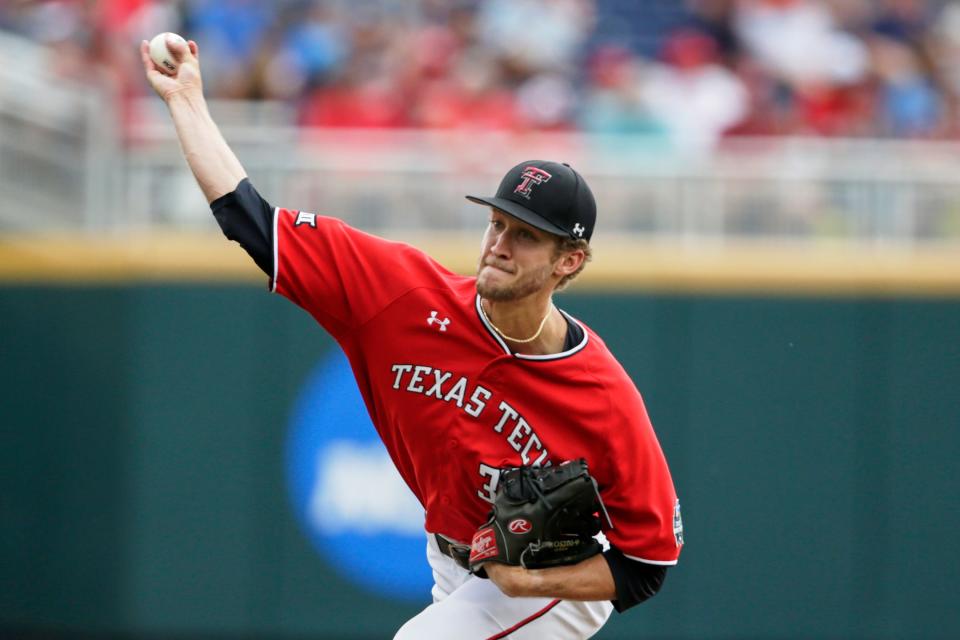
point(569, 262)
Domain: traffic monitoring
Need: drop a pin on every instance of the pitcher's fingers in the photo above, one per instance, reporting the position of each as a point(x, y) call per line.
point(194, 49)
point(145, 55)
point(148, 63)
point(177, 49)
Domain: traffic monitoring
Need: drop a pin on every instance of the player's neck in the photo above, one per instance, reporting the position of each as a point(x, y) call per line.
point(531, 327)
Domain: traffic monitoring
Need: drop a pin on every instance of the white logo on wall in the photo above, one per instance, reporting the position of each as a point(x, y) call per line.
point(358, 489)
point(351, 502)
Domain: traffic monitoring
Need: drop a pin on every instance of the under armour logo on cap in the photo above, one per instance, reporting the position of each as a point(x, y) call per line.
point(578, 230)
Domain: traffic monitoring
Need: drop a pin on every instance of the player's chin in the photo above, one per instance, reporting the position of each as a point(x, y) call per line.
point(493, 269)
point(494, 286)
point(493, 276)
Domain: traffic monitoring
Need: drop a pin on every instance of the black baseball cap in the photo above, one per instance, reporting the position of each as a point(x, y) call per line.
point(547, 195)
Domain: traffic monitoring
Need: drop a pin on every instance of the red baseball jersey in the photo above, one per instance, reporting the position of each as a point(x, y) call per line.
point(451, 402)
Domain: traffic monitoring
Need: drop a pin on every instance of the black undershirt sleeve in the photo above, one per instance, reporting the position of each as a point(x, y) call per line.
point(247, 218)
point(635, 581)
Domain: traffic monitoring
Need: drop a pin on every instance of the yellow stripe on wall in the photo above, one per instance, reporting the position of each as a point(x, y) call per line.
point(621, 264)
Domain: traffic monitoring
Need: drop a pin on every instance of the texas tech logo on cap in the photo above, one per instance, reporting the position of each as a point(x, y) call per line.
point(531, 176)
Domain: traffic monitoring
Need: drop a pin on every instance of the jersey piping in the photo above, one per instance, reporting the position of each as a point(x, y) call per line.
point(551, 356)
point(645, 561)
point(276, 252)
point(524, 622)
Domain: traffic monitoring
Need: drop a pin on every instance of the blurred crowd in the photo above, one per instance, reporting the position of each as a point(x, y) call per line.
point(692, 72)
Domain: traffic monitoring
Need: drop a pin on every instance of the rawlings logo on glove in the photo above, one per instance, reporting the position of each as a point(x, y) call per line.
point(484, 545)
point(542, 517)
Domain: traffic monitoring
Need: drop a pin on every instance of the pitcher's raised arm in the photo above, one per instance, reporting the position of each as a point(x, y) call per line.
point(214, 165)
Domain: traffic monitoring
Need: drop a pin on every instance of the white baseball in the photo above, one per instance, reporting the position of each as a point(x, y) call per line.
point(160, 54)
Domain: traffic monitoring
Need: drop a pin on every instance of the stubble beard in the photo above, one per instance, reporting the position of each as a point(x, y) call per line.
point(517, 290)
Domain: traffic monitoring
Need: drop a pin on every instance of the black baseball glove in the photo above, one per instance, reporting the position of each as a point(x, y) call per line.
point(542, 517)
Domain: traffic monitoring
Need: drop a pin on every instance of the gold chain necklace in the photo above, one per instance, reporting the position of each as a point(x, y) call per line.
point(543, 323)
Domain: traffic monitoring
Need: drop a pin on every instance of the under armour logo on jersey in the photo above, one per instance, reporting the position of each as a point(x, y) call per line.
point(531, 176)
point(433, 319)
point(578, 230)
point(306, 218)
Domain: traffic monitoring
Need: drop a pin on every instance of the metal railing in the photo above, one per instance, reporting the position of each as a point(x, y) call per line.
point(868, 191)
point(57, 144)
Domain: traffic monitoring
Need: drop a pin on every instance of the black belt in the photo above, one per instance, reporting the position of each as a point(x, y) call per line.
point(459, 552)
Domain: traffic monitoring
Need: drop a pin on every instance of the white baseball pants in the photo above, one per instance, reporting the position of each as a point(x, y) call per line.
point(469, 608)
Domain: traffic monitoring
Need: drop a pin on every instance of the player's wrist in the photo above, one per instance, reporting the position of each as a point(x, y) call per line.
point(513, 581)
point(189, 97)
point(535, 583)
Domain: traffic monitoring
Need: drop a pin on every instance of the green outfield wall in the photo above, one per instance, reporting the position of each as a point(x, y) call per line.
point(814, 443)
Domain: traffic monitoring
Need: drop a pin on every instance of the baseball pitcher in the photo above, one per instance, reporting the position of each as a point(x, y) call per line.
point(548, 500)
